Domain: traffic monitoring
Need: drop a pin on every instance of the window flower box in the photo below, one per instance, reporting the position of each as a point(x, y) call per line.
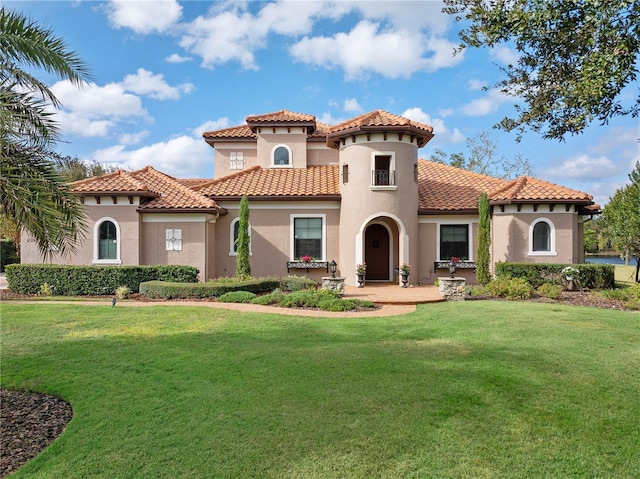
point(459, 265)
point(299, 264)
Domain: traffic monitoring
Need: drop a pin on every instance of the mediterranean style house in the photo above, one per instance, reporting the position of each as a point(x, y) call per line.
point(351, 193)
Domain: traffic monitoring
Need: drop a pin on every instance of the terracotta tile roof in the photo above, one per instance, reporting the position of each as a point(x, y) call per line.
point(282, 116)
point(528, 189)
point(314, 181)
point(443, 188)
point(119, 181)
point(167, 193)
point(380, 120)
point(233, 133)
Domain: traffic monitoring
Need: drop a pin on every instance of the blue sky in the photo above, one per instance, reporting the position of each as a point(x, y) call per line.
point(166, 71)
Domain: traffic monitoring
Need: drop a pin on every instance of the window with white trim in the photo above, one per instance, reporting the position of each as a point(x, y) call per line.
point(454, 242)
point(281, 156)
point(234, 229)
point(542, 238)
point(236, 160)
point(106, 241)
point(308, 236)
point(173, 239)
point(383, 170)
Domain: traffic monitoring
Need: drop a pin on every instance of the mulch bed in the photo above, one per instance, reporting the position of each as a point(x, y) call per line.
point(29, 422)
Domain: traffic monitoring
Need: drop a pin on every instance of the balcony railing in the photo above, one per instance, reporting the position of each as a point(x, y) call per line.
point(383, 178)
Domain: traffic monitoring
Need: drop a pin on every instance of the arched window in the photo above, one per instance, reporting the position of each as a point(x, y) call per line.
point(106, 241)
point(233, 237)
point(542, 239)
point(281, 156)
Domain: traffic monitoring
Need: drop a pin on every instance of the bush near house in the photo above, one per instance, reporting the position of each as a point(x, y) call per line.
point(92, 280)
point(591, 276)
point(215, 289)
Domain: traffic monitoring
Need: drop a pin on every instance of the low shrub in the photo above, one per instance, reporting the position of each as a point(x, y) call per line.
point(551, 291)
point(510, 288)
point(92, 280)
point(45, 290)
point(621, 294)
point(122, 292)
point(297, 283)
point(590, 276)
point(268, 299)
point(336, 304)
point(237, 297)
point(212, 289)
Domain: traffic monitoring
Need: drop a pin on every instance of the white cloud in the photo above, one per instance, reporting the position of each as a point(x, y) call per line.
point(133, 138)
point(475, 84)
point(94, 110)
point(175, 58)
point(394, 39)
point(211, 125)
point(505, 55)
point(487, 104)
point(445, 112)
point(144, 16)
point(145, 82)
point(441, 133)
point(367, 48)
point(182, 157)
point(583, 167)
point(229, 36)
point(351, 105)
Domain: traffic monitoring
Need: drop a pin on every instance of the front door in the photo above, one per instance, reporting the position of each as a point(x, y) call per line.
point(376, 252)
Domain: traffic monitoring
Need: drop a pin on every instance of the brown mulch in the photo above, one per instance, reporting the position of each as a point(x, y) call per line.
point(29, 422)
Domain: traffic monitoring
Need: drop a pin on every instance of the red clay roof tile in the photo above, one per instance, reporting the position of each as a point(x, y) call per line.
point(308, 182)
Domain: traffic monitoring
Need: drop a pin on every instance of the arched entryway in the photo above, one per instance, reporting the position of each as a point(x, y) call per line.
point(377, 251)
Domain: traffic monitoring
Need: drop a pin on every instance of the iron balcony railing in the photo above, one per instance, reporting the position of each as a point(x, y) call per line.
point(383, 177)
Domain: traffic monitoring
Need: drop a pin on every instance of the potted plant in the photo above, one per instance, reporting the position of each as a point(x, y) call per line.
point(405, 270)
point(361, 271)
point(453, 264)
point(306, 259)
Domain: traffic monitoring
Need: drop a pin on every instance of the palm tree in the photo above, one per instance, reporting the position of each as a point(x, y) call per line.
point(32, 193)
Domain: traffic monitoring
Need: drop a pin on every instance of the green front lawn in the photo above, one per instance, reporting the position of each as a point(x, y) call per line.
point(457, 390)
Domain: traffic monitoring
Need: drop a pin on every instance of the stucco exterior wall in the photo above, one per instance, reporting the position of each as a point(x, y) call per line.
point(194, 230)
point(318, 153)
point(271, 237)
point(363, 202)
point(511, 236)
point(122, 213)
point(296, 141)
point(222, 155)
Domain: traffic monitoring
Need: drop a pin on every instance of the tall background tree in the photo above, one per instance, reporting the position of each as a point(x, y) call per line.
point(483, 158)
point(483, 254)
point(576, 57)
point(32, 192)
point(622, 219)
point(243, 268)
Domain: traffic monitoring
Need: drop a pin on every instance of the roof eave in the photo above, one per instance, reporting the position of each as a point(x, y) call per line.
point(278, 198)
point(143, 194)
point(213, 211)
point(408, 129)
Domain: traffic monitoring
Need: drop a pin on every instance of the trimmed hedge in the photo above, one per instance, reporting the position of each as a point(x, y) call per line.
point(592, 276)
point(214, 289)
point(92, 280)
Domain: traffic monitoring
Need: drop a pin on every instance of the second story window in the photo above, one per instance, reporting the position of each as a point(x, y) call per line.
point(281, 156)
point(383, 172)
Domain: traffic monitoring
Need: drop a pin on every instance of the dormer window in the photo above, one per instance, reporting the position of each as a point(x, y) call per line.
point(281, 156)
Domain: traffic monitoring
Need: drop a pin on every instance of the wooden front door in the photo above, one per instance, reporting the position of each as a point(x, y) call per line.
point(376, 252)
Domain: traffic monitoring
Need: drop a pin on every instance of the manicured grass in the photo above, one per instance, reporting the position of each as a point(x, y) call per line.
point(458, 390)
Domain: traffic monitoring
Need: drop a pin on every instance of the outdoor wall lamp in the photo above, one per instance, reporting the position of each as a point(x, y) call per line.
point(332, 266)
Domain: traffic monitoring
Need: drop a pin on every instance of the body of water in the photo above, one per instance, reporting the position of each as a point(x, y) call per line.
point(608, 260)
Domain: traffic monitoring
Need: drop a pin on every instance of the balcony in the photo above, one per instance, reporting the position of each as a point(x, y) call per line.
point(383, 178)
